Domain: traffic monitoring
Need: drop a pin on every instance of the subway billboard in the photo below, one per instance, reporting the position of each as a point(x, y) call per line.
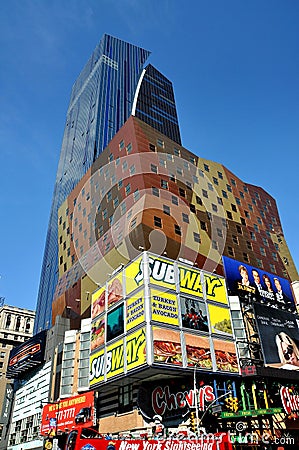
point(159, 312)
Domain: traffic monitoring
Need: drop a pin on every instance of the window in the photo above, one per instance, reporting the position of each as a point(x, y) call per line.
point(274, 256)
point(164, 184)
point(214, 207)
point(215, 181)
point(8, 321)
point(121, 145)
point(247, 214)
point(233, 182)
point(224, 194)
point(105, 214)
point(272, 268)
point(192, 208)
point(120, 184)
point(166, 210)
point(243, 221)
point(205, 193)
point(174, 200)
point(220, 232)
point(265, 241)
point(241, 194)
point(125, 165)
point(154, 168)
point(219, 200)
point(229, 188)
point(220, 175)
point(245, 257)
point(18, 323)
point(125, 398)
point(179, 171)
point(238, 201)
point(203, 225)
point(210, 187)
point(136, 195)
point(182, 192)
point(259, 220)
point(256, 228)
point(185, 217)
point(257, 195)
point(157, 222)
point(239, 229)
point(235, 239)
point(160, 143)
point(229, 215)
point(198, 200)
point(132, 169)
point(259, 263)
point(177, 229)
point(133, 222)
point(152, 147)
point(206, 167)
point(214, 245)
point(128, 189)
point(234, 208)
point(252, 235)
point(196, 237)
point(155, 191)
point(249, 245)
point(176, 152)
point(115, 202)
point(263, 251)
point(250, 207)
point(129, 148)
point(230, 251)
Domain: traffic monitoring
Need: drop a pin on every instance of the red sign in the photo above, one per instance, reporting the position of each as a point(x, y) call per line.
point(68, 413)
point(163, 399)
point(289, 402)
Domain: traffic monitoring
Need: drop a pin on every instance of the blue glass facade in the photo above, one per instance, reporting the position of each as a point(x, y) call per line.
point(102, 99)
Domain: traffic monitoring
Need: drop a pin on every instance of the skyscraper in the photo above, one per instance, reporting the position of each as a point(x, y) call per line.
point(112, 85)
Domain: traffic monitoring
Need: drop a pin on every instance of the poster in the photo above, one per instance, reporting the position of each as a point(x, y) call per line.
point(136, 349)
point(135, 310)
point(257, 285)
point(134, 275)
point(194, 313)
point(225, 354)
point(220, 320)
point(164, 306)
point(198, 351)
point(97, 333)
point(279, 336)
point(215, 288)
point(98, 302)
point(167, 346)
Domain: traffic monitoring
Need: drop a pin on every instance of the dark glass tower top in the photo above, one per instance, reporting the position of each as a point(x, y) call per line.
point(112, 85)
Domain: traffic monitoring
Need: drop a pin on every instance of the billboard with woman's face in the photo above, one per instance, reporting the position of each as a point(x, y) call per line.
point(279, 336)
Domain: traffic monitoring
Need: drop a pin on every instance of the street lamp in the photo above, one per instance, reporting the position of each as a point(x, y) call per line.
point(195, 388)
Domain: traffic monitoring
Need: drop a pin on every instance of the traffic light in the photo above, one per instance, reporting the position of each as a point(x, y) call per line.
point(232, 403)
point(192, 422)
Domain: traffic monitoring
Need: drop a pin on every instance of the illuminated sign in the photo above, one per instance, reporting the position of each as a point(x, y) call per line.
point(164, 307)
point(290, 401)
point(27, 355)
point(163, 399)
point(136, 349)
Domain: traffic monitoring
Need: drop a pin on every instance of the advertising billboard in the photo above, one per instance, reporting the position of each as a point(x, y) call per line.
point(68, 413)
point(164, 306)
point(279, 336)
point(262, 287)
point(167, 346)
point(27, 355)
point(135, 310)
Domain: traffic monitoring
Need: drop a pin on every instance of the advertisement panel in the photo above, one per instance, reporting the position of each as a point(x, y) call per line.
point(164, 307)
point(215, 288)
point(114, 290)
point(260, 286)
point(115, 359)
point(167, 346)
point(135, 310)
point(226, 356)
point(136, 349)
point(194, 314)
point(134, 275)
point(97, 333)
point(27, 355)
point(279, 336)
point(98, 302)
point(220, 320)
point(97, 368)
point(190, 281)
point(7, 404)
point(198, 351)
point(68, 413)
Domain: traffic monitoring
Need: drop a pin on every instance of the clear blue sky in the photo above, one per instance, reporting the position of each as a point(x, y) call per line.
point(234, 65)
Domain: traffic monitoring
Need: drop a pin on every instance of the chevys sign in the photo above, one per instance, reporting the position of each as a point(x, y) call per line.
point(290, 401)
point(163, 399)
